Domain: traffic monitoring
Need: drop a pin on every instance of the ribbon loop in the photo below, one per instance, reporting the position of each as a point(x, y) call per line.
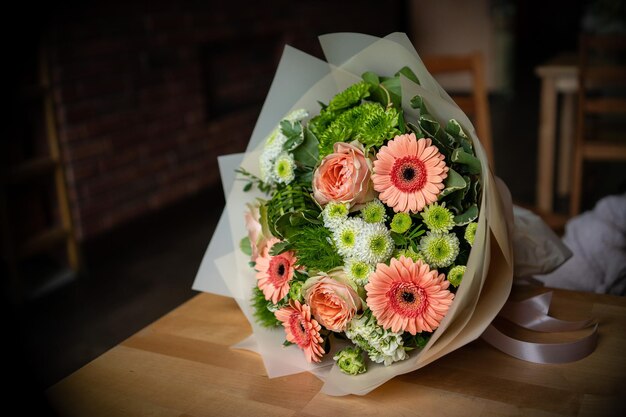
point(532, 314)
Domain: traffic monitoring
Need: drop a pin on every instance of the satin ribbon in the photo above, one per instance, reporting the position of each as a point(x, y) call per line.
point(532, 314)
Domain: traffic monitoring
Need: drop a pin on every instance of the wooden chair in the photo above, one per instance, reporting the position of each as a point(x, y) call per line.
point(600, 133)
point(475, 104)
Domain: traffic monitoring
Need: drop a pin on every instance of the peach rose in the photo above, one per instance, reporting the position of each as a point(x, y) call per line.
point(255, 231)
point(332, 300)
point(344, 176)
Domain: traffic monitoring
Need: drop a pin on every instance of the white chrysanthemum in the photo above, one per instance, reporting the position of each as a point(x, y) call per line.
point(346, 236)
point(284, 168)
point(439, 249)
point(297, 115)
point(358, 271)
point(374, 244)
point(382, 346)
point(266, 167)
point(334, 214)
point(274, 144)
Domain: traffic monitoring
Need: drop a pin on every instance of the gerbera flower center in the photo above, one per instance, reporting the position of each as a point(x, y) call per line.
point(279, 266)
point(407, 299)
point(408, 174)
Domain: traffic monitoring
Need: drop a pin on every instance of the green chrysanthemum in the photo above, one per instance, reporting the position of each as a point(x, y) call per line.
point(374, 212)
point(350, 361)
point(401, 222)
point(439, 249)
point(456, 275)
point(438, 218)
point(334, 214)
point(470, 232)
point(358, 271)
point(375, 244)
point(350, 96)
point(346, 236)
point(284, 168)
point(377, 125)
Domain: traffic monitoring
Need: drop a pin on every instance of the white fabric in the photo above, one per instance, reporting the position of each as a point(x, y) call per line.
point(598, 240)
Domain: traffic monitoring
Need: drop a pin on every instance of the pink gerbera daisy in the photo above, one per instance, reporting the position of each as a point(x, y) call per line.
point(302, 329)
point(408, 296)
point(409, 173)
point(274, 272)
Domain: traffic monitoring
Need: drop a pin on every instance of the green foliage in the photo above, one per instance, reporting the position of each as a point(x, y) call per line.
point(244, 245)
point(290, 207)
point(314, 248)
point(416, 342)
point(262, 314)
point(252, 180)
point(307, 153)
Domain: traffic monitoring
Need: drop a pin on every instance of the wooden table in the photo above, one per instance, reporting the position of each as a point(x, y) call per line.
point(182, 365)
point(558, 76)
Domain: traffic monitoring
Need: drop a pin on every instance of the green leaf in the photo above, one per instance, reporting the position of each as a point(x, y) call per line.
point(453, 182)
point(417, 102)
point(371, 78)
point(401, 122)
point(263, 219)
point(308, 152)
point(455, 130)
point(468, 216)
point(294, 134)
point(247, 187)
point(408, 73)
point(415, 129)
point(379, 94)
point(471, 163)
point(245, 246)
point(287, 343)
point(279, 248)
point(392, 85)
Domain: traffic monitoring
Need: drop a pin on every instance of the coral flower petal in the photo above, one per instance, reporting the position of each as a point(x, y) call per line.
point(302, 330)
point(408, 296)
point(407, 172)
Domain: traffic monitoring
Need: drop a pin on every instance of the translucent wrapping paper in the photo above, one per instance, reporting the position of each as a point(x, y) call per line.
point(300, 82)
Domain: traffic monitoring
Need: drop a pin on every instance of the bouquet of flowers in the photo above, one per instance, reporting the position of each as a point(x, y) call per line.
point(375, 238)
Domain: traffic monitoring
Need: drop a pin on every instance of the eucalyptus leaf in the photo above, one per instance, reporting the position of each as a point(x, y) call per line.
point(471, 163)
point(467, 217)
point(245, 246)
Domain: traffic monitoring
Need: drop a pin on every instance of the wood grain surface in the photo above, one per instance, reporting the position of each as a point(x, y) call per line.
point(182, 365)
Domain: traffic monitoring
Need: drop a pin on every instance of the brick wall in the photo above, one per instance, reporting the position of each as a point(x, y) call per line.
point(149, 95)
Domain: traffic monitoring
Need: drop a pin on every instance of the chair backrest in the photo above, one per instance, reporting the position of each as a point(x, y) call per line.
point(601, 121)
point(476, 104)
